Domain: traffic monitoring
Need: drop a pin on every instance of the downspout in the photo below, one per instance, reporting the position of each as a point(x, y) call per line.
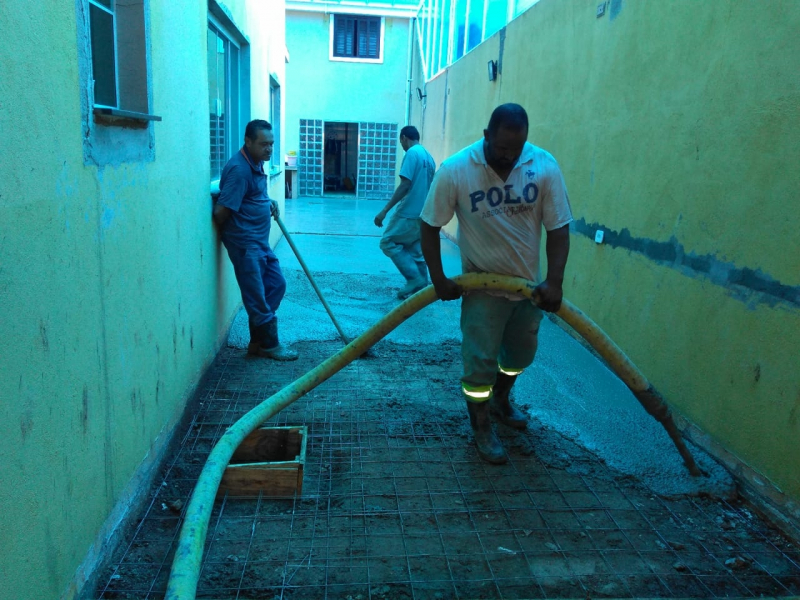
point(412, 22)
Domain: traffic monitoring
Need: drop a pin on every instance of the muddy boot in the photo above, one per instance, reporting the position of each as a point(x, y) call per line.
point(489, 447)
point(408, 269)
point(500, 404)
point(411, 288)
point(265, 343)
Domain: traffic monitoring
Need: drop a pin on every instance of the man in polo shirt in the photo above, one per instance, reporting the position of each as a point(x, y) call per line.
point(400, 241)
point(243, 211)
point(503, 190)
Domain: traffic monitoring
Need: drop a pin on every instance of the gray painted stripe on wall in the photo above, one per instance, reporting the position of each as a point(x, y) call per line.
point(751, 286)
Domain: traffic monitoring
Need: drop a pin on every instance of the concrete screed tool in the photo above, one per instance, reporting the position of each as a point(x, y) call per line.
point(313, 283)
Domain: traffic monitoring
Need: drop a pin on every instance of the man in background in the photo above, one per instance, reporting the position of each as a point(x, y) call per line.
point(401, 238)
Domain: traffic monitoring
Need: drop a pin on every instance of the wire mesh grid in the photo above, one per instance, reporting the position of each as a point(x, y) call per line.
point(396, 504)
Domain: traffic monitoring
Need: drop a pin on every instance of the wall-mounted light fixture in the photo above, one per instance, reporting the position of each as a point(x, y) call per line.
point(420, 95)
point(492, 67)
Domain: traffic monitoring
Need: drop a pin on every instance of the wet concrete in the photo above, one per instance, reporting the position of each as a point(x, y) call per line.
point(567, 389)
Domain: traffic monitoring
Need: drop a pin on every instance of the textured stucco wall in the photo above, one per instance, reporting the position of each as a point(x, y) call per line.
point(319, 88)
point(114, 289)
point(677, 126)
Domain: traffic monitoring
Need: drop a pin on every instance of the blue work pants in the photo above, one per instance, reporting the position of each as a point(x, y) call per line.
point(260, 280)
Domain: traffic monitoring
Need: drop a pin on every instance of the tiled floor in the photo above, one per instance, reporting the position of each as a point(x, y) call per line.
point(396, 504)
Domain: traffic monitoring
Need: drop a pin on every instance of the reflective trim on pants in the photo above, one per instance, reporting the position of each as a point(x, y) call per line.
point(496, 331)
point(510, 372)
point(477, 393)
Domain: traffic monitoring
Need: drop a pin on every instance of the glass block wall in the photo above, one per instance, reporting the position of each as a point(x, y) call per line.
point(309, 165)
point(377, 154)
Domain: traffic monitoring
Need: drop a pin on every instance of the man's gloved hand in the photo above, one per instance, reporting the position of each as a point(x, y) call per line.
point(447, 289)
point(274, 210)
point(548, 296)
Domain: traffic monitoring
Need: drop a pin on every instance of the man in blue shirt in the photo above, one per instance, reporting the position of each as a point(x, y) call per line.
point(243, 211)
point(400, 241)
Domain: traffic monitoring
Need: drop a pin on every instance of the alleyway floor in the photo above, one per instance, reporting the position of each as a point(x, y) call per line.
point(395, 502)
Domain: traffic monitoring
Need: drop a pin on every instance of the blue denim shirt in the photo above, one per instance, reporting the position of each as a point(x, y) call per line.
point(243, 189)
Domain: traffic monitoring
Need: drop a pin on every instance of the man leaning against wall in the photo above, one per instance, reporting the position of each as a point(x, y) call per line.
point(242, 212)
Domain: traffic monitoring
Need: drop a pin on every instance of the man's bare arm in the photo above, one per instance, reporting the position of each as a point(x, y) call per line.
point(446, 289)
point(399, 194)
point(221, 214)
point(550, 292)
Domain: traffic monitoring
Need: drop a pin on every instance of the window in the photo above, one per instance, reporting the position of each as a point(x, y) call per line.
point(443, 48)
point(448, 29)
point(460, 39)
point(224, 61)
point(356, 37)
point(475, 18)
point(275, 121)
point(496, 17)
point(119, 56)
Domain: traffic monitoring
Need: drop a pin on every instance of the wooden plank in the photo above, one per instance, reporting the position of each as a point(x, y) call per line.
point(249, 480)
point(268, 444)
point(269, 460)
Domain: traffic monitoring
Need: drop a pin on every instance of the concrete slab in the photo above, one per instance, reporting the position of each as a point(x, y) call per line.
point(567, 388)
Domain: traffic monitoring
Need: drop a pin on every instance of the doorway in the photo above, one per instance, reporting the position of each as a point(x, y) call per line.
point(340, 158)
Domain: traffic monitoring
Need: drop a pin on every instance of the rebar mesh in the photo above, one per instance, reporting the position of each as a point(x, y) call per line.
point(396, 504)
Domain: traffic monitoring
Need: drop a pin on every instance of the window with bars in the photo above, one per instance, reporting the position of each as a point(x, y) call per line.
point(357, 37)
point(275, 120)
point(226, 134)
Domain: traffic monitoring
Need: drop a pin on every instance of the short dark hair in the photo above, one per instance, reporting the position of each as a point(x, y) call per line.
point(254, 126)
point(509, 116)
point(410, 132)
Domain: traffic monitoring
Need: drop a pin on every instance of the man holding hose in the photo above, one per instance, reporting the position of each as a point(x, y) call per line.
point(503, 189)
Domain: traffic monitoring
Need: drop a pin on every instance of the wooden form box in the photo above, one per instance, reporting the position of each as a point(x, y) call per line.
point(269, 460)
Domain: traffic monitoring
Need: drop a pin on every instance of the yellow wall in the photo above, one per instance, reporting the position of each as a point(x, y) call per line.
point(114, 290)
point(677, 126)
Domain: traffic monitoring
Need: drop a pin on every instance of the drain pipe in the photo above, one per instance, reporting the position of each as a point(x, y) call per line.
point(412, 23)
point(188, 556)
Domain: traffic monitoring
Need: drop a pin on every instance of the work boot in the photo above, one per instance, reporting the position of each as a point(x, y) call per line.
point(500, 404)
point(408, 268)
point(264, 342)
point(411, 287)
point(489, 447)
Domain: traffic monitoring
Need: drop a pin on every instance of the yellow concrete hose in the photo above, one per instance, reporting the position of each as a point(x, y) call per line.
point(186, 564)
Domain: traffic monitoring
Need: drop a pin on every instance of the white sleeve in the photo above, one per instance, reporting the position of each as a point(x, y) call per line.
point(440, 205)
point(409, 166)
point(556, 210)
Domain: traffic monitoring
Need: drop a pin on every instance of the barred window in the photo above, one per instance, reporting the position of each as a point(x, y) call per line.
point(224, 87)
point(357, 36)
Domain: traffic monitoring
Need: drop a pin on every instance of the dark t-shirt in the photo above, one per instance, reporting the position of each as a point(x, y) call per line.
point(243, 189)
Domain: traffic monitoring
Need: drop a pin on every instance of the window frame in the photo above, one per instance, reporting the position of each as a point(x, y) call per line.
point(111, 11)
point(332, 39)
point(113, 136)
point(276, 162)
point(130, 47)
point(236, 107)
